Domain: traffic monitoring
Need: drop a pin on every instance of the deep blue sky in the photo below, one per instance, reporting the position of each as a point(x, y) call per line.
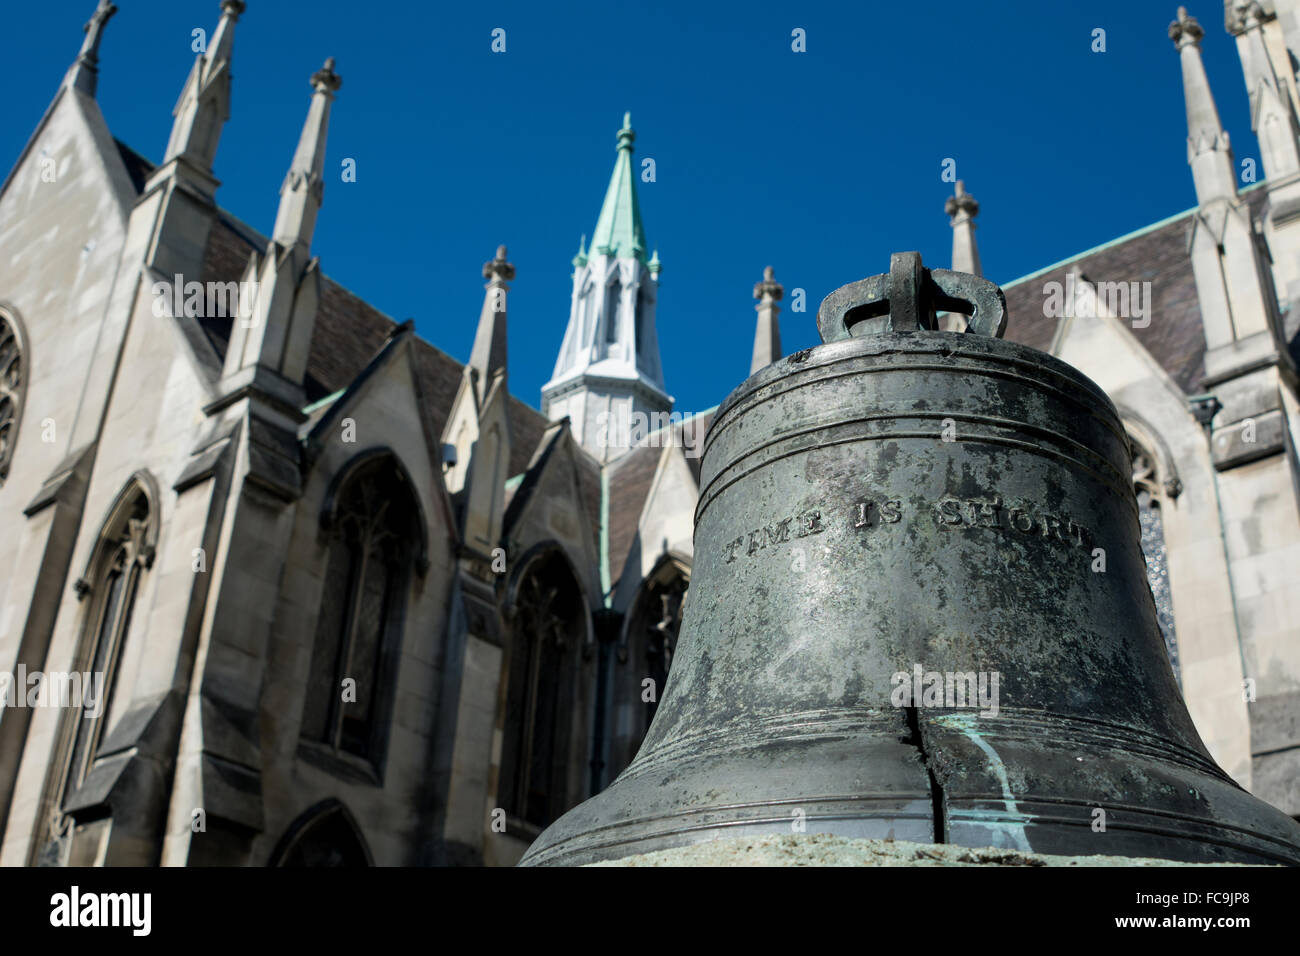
point(818, 163)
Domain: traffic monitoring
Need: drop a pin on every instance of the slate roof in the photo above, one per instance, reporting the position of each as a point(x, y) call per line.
point(630, 478)
point(629, 483)
point(1156, 254)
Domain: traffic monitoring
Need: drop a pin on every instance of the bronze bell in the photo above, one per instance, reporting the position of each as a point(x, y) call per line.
point(899, 504)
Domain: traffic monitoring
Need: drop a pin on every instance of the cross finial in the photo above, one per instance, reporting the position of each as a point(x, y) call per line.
point(94, 30)
point(769, 290)
point(1185, 31)
point(325, 80)
point(498, 270)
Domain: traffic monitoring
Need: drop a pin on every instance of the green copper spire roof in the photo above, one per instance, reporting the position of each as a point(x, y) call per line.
point(618, 230)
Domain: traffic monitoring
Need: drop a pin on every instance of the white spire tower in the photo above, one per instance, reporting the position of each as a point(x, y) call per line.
point(608, 379)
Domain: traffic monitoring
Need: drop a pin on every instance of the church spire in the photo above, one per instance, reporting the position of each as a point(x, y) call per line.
point(1208, 151)
point(488, 357)
point(619, 232)
point(767, 336)
point(608, 376)
point(304, 186)
point(204, 104)
point(84, 73)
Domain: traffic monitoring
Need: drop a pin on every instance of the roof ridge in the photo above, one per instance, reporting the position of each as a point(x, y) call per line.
point(1141, 231)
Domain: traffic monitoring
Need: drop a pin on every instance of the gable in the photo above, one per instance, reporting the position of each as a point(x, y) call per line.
point(553, 503)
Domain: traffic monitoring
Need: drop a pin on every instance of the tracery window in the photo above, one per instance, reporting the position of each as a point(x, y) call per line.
point(12, 377)
point(549, 628)
point(1151, 492)
point(372, 551)
point(645, 660)
point(663, 603)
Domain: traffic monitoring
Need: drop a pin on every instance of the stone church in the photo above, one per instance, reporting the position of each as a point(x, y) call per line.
point(281, 583)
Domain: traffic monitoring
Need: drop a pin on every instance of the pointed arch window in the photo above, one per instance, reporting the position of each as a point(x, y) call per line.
point(647, 653)
point(1153, 491)
point(665, 601)
point(639, 323)
point(119, 561)
point(373, 524)
point(12, 387)
point(324, 836)
point(125, 552)
point(537, 745)
point(612, 294)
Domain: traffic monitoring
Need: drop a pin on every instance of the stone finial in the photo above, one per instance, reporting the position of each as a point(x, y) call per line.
point(767, 332)
point(1239, 16)
point(488, 357)
point(769, 290)
point(498, 270)
point(94, 29)
point(961, 203)
point(1185, 31)
point(85, 69)
point(204, 104)
point(325, 80)
point(304, 185)
point(1209, 152)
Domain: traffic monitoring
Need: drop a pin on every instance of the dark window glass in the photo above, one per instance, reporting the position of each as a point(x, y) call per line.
point(537, 751)
point(371, 554)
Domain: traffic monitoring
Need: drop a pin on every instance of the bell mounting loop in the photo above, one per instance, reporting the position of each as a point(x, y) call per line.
point(906, 298)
